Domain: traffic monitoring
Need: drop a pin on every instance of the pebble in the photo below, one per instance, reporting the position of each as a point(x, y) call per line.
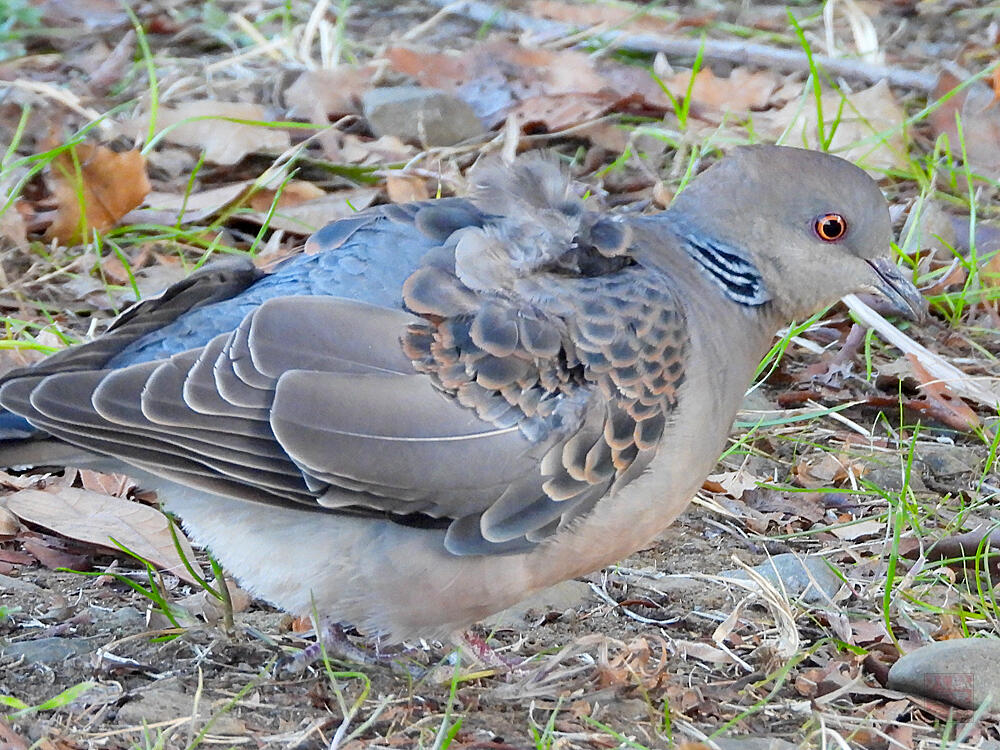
point(47, 650)
point(799, 576)
point(428, 117)
point(962, 672)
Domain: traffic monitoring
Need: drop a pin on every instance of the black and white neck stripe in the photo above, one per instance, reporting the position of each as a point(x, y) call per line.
point(729, 267)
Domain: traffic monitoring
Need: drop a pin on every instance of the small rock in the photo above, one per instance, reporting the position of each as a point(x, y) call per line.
point(47, 650)
point(948, 460)
point(428, 117)
point(798, 575)
point(754, 743)
point(962, 672)
point(164, 704)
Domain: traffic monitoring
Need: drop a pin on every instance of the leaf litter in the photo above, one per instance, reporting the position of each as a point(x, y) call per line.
point(883, 465)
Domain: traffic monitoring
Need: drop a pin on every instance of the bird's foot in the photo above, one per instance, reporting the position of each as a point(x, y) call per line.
point(478, 652)
point(333, 642)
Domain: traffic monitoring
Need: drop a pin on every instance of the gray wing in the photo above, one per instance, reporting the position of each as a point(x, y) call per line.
point(312, 401)
point(537, 374)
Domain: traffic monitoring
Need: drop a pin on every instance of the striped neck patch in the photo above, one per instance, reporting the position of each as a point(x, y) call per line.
point(730, 268)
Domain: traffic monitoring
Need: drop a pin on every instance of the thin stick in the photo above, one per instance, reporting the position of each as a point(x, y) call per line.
point(738, 53)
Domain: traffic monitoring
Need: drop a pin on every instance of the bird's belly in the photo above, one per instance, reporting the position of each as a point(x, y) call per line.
point(401, 582)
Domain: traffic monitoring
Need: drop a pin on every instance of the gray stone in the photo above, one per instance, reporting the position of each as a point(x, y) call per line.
point(47, 650)
point(798, 575)
point(754, 743)
point(165, 704)
point(428, 117)
point(945, 460)
point(962, 672)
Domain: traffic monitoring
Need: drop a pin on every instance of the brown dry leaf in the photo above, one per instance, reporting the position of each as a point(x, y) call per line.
point(118, 485)
point(861, 115)
point(223, 141)
point(701, 651)
point(619, 16)
point(347, 148)
point(828, 471)
point(307, 217)
point(860, 530)
point(950, 408)
point(564, 87)
point(732, 483)
point(294, 193)
point(404, 188)
point(169, 208)
point(980, 115)
point(110, 184)
point(95, 14)
point(322, 95)
point(94, 517)
point(990, 275)
point(14, 228)
point(9, 523)
point(53, 552)
point(740, 92)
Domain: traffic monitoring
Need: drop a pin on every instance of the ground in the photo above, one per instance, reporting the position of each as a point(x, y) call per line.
point(847, 451)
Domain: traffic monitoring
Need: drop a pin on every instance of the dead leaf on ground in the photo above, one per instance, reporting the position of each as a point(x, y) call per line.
point(95, 518)
point(404, 188)
point(293, 193)
point(624, 17)
point(13, 227)
point(347, 148)
point(306, 218)
point(732, 483)
point(170, 208)
point(853, 119)
point(950, 408)
point(742, 91)
point(556, 89)
point(828, 471)
point(107, 186)
point(324, 95)
point(208, 125)
point(980, 116)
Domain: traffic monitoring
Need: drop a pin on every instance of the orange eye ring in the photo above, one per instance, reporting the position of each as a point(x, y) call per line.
point(830, 227)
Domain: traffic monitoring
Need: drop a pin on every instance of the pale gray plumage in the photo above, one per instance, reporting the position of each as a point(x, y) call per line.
point(453, 404)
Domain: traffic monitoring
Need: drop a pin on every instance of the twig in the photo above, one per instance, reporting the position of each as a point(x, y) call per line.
point(737, 53)
point(980, 389)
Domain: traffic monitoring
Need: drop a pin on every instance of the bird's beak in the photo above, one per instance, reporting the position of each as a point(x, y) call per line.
point(904, 297)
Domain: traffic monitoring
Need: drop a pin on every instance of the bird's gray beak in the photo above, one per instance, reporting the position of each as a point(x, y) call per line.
point(904, 297)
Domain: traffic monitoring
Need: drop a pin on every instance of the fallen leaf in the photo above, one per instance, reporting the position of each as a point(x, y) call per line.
point(95, 518)
point(306, 218)
point(9, 525)
point(294, 193)
point(405, 188)
point(619, 16)
point(853, 120)
point(13, 227)
point(208, 125)
point(732, 483)
point(107, 186)
point(171, 208)
point(741, 91)
point(322, 95)
point(951, 409)
point(853, 532)
point(980, 116)
point(554, 89)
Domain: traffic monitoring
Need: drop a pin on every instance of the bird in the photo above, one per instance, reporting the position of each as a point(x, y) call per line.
point(443, 407)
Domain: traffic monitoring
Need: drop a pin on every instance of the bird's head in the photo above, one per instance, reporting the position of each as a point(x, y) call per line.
point(814, 225)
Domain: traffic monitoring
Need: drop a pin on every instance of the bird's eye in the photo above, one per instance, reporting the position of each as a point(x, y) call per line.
point(831, 227)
